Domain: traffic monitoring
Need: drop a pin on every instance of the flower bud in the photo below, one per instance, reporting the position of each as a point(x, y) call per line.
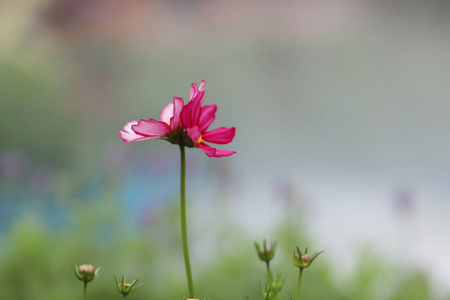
point(86, 269)
point(304, 260)
point(265, 291)
point(86, 272)
point(277, 284)
point(266, 253)
point(126, 288)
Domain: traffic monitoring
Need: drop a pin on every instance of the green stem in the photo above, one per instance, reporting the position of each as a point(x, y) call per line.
point(183, 223)
point(85, 291)
point(269, 274)
point(299, 283)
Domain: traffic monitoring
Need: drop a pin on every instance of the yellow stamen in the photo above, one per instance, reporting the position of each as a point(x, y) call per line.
point(200, 140)
point(168, 123)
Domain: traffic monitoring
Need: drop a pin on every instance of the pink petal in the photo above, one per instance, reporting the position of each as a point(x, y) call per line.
point(200, 96)
point(178, 103)
point(195, 90)
point(207, 116)
point(185, 115)
point(191, 111)
point(213, 152)
point(194, 133)
point(220, 153)
point(197, 107)
point(127, 126)
point(207, 149)
point(129, 135)
point(202, 86)
point(166, 113)
point(151, 128)
point(220, 135)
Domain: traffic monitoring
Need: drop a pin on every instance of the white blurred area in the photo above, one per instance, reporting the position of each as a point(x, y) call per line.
point(347, 101)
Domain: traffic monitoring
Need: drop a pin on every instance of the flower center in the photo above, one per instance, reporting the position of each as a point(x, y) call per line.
point(200, 140)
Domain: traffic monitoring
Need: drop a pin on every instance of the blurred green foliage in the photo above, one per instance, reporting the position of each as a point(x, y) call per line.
point(37, 264)
point(33, 114)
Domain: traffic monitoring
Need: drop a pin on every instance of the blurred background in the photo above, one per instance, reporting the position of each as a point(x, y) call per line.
point(341, 109)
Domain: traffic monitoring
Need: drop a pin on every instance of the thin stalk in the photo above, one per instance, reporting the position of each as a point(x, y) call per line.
point(299, 283)
point(269, 274)
point(85, 291)
point(183, 222)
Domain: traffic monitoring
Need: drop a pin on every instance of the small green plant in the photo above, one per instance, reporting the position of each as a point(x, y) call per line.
point(302, 261)
point(86, 273)
point(273, 286)
point(126, 288)
point(270, 290)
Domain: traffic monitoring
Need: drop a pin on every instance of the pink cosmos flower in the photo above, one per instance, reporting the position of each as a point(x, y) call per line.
point(184, 125)
point(196, 120)
point(168, 128)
